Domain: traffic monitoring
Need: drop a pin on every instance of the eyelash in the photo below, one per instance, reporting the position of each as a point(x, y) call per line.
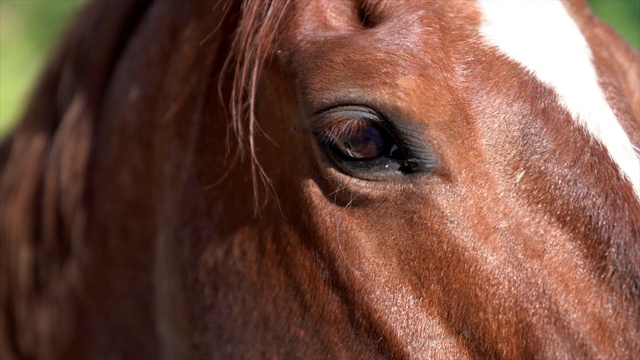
point(332, 131)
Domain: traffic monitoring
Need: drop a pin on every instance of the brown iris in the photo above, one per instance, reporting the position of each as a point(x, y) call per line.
point(363, 142)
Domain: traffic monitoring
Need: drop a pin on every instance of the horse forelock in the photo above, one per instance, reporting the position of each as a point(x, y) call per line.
point(252, 45)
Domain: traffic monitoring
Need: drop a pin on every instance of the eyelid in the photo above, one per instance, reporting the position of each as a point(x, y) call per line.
point(348, 113)
point(335, 122)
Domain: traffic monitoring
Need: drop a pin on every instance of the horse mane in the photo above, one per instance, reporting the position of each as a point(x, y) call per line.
point(43, 164)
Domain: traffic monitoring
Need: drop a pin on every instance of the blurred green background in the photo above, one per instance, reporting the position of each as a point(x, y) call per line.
point(30, 29)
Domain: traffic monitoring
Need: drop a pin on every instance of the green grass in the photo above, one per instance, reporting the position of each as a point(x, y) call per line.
point(30, 30)
point(622, 15)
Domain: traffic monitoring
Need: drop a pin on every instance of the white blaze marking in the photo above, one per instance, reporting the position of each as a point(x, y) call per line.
point(543, 37)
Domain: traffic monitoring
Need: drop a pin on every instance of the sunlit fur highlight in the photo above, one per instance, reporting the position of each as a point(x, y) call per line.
point(558, 54)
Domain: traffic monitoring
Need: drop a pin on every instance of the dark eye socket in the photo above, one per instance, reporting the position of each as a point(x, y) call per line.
point(361, 143)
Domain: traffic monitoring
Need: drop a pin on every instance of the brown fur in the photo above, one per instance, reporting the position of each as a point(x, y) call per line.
point(128, 224)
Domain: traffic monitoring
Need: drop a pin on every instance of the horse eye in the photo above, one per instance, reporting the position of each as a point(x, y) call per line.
point(362, 143)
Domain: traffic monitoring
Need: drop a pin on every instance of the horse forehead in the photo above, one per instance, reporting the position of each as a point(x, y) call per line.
point(543, 38)
point(540, 36)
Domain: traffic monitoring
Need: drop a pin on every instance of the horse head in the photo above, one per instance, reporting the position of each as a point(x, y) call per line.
point(412, 179)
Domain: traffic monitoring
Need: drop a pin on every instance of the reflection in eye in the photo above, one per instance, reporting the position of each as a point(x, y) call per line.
point(363, 143)
point(358, 140)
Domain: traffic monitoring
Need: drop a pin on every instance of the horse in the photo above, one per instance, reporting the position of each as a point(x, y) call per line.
point(326, 179)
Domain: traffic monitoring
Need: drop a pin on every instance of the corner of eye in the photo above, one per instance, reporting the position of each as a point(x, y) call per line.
point(365, 17)
point(351, 15)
